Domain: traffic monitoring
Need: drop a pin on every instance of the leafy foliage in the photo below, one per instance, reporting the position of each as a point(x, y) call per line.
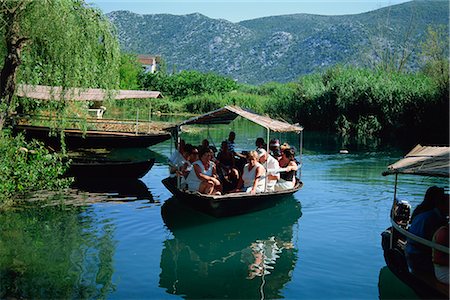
point(187, 83)
point(26, 167)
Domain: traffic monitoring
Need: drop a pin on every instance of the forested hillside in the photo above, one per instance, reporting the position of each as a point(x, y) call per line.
point(282, 48)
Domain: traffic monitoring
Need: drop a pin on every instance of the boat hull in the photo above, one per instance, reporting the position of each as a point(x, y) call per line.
point(396, 262)
point(77, 139)
point(109, 169)
point(228, 204)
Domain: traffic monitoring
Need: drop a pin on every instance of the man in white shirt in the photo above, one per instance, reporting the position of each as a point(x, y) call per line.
point(271, 164)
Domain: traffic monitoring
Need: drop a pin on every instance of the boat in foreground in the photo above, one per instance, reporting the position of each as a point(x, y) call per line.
point(423, 161)
point(95, 168)
point(234, 203)
point(79, 139)
point(227, 204)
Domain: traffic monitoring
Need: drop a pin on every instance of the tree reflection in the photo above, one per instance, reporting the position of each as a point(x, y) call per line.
point(55, 252)
point(248, 256)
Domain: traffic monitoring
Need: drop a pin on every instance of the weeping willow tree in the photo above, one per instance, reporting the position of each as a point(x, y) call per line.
point(47, 42)
point(54, 42)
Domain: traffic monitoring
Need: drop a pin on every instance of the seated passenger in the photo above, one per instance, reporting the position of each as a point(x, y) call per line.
point(205, 144)
point(228, 174)
point(178, 158)
point(260, 144)
point(440, 259)
point(252, 180)
point(203, 178)
point(289, 166)
point(426, 219)
point(271, 164)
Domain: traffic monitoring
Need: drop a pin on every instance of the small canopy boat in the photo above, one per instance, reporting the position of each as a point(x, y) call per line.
point(421, 161)
point(75, 138)
point(79, 139)
point(100, 168)
point(234, 203)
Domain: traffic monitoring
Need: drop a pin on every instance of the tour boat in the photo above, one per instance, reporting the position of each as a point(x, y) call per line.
point(234, 203)
point(422, 161)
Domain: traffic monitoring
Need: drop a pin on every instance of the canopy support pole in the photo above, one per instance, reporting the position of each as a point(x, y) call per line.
point(391, 240)
point(178, 149)
point(301, 154)
point(267, 159)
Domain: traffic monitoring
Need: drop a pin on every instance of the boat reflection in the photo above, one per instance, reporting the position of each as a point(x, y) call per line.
point(126, 189)
point(248, 256)
point(391, 287)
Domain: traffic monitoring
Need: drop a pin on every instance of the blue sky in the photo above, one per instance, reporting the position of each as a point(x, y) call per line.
point(236, 11)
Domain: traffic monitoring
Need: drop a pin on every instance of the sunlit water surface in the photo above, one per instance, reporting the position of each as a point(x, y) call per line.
point(136, 241)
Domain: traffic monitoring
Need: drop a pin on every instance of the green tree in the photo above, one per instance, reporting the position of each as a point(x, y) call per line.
point(435, 53)
point(55, 42)
point(130, 70)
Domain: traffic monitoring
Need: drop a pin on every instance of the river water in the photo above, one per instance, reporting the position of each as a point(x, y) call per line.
point(134, 241)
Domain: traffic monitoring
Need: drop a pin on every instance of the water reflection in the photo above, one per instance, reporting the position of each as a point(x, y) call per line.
point(55, 253)
point(391, 287)
point(115, 189)
point(249, 256)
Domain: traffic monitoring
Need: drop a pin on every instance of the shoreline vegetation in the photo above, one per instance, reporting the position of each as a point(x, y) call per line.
point(361, 103)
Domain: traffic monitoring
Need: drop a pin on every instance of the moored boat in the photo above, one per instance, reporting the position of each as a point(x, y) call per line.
point(422, 161)
point(79, 139)
point(95, 168)
point(234, 203)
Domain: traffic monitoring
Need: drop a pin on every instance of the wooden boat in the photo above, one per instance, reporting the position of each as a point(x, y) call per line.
point(422, 161)
point(235, 203)
point(77, 139)
point(95, 168)
point(227, 204)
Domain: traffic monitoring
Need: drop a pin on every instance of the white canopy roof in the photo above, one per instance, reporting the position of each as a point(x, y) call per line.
point(227, 114)
point(423, 160)
point(43, 92)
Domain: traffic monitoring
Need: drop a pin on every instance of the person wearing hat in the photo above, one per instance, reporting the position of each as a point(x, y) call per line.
point(271, 164)
point(274, 147)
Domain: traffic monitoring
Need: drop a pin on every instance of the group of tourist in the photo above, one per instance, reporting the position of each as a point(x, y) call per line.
point(256, 171)
point(430, 221)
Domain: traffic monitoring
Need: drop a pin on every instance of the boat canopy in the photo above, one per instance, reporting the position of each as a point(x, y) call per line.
point(227, 114)
point(423, 160)
point(43, 92)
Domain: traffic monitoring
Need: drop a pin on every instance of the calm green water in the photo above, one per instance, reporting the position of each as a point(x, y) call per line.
point(137, 242)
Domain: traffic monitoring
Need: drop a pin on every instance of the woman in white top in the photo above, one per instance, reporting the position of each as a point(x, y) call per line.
point(252, 180)
point(289, 166)
point(203, 177)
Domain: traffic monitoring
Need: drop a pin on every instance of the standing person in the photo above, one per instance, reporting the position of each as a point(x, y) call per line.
point(427, 218)
point(252, 180)
point(274, 147)
point(232, 145)
point(287, 177)
point(271, 164)
point(226, 169)
point(204, 177)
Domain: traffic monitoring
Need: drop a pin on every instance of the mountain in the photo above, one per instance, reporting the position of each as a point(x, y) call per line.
point(280, 48)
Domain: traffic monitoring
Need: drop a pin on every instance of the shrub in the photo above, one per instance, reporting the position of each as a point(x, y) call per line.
point(26, 167)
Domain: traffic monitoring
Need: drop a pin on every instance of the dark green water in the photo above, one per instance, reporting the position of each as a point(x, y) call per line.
point(135, 241)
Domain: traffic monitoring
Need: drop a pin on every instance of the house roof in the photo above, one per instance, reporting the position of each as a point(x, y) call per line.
point(423, 160)
point(43, 92)
point(227, 114)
